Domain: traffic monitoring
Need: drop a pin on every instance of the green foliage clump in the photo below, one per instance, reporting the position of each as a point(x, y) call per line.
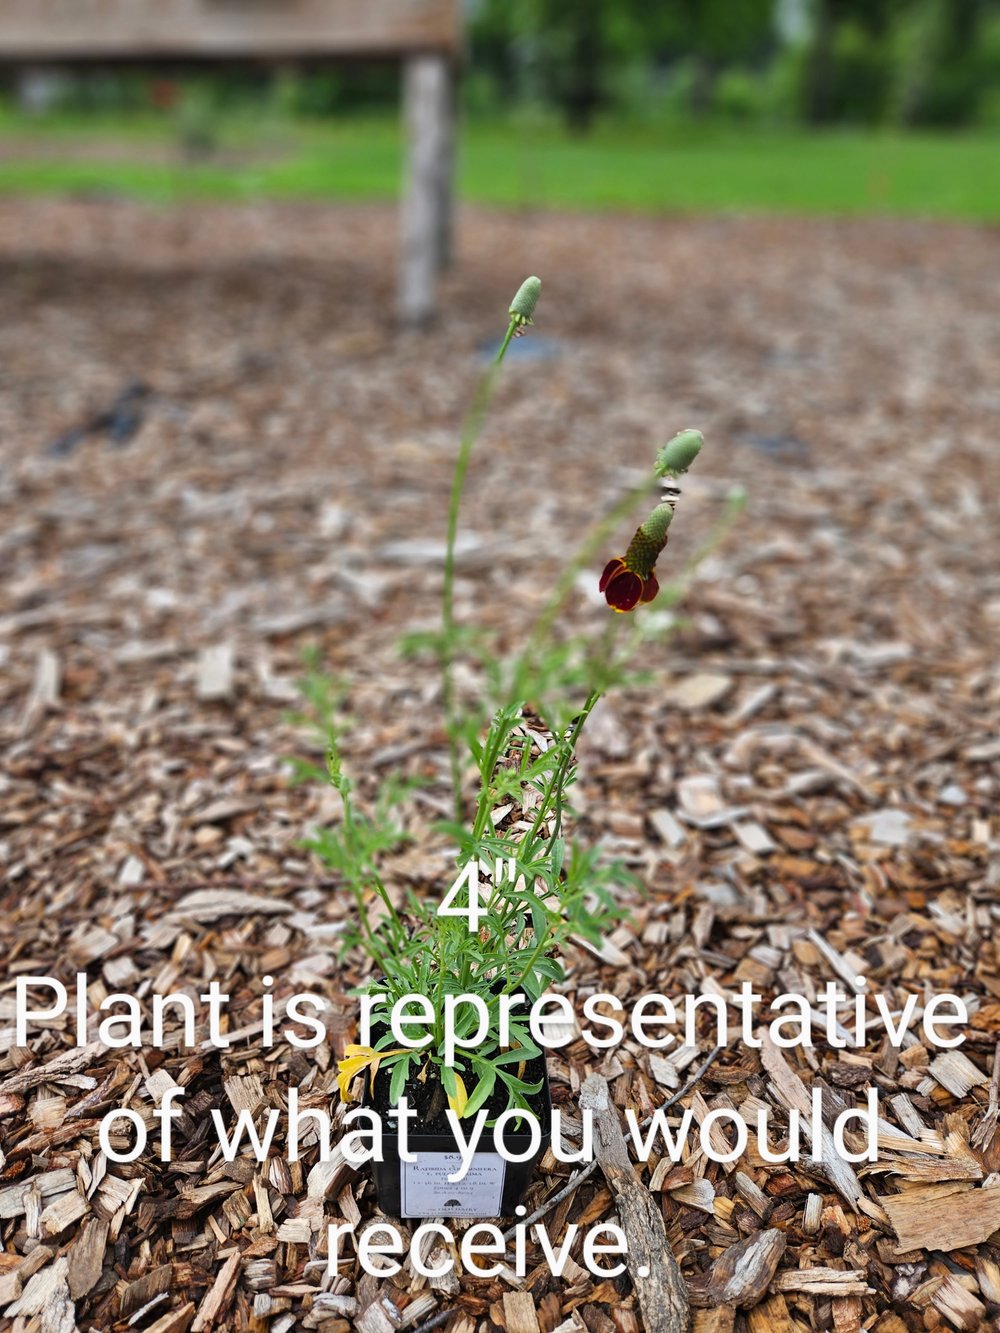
point(541, 890)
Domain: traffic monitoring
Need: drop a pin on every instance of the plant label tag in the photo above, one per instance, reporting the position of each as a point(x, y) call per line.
point(426, 1190)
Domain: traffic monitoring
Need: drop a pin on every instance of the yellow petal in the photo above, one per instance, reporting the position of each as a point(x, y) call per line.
point(346, 1070)
point(352, 1065)
point(344, 1076)
point(357, 1058)
point(460, 1100)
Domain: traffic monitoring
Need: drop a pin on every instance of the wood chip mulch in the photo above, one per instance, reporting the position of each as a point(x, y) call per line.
point(216, 451)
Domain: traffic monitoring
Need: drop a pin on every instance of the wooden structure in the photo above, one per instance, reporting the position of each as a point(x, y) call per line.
point(424, 34)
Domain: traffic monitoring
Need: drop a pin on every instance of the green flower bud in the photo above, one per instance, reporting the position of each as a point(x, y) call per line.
point(679, 453)
point(523, 305)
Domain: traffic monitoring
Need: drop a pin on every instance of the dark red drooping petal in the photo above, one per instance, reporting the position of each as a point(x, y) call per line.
point(650, 588)
point(612, 567)
point(623, 590)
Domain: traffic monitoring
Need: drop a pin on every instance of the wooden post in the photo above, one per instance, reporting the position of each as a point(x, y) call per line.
point(426, 229)
point(445, 223)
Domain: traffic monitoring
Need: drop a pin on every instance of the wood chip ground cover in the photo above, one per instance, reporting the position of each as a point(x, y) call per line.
point(807, 789)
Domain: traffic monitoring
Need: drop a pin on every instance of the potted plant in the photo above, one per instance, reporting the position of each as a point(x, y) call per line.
point(449, 1046)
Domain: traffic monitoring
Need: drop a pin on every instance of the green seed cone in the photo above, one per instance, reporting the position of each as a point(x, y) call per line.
point(679, 453)
point(523, 305)
point(655, 527)
point(649, 540)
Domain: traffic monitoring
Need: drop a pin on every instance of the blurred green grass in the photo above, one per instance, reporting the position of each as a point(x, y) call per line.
point(521, 165)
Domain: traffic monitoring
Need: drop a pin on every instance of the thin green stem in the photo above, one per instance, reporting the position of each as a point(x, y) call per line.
point(557, 782)
point(471, 428)
point(511, 330)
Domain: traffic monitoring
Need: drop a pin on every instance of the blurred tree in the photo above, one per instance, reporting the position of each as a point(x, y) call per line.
point(847, 33)
point(939, 75)
point(566, 50)
point(824, 61)
point(716, 33)
point(579, 39)
point(917, 60)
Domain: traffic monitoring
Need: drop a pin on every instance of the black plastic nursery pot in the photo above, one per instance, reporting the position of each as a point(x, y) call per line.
point(492, 1187)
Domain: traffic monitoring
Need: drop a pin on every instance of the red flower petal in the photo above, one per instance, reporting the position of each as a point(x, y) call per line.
point(651, 588)
point(624, 590)
point(612, 567)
